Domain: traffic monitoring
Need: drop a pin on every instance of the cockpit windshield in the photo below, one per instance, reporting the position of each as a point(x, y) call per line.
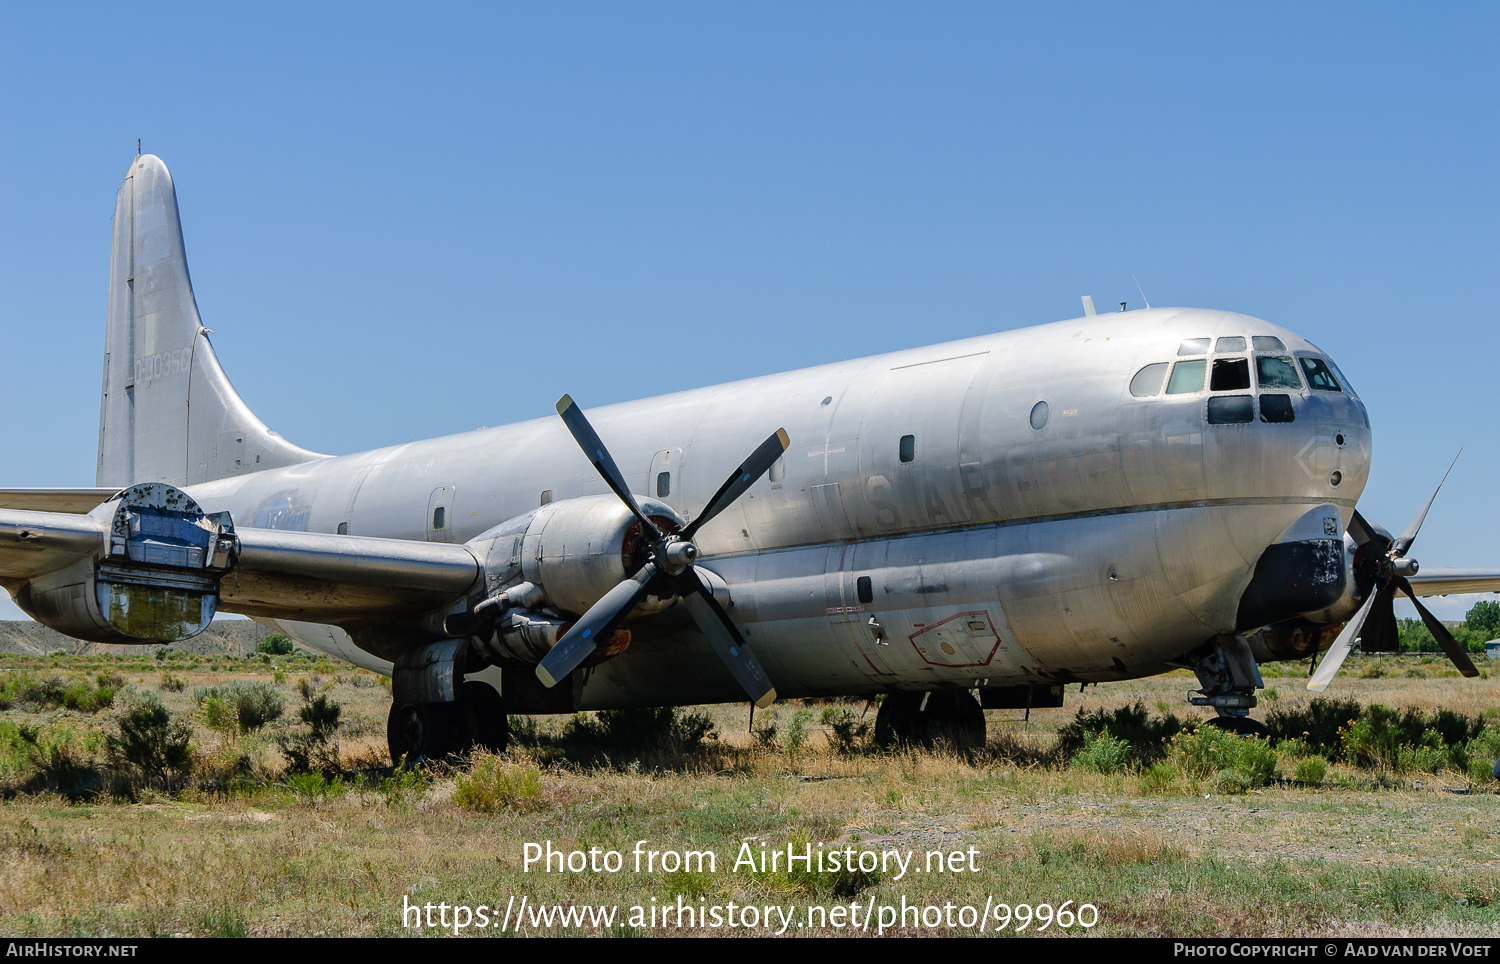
point(1319, 377)
point(1277, 371)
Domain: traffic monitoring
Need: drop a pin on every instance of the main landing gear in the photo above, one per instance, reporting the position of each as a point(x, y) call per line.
point(927, 719)
point(432, 731)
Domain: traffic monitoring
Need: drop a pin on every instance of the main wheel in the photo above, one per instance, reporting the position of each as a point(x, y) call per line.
point(483, 715)
point(424, 731)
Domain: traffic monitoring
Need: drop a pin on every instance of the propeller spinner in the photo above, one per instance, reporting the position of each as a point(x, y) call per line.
point(1389, 565)
point(672, 557)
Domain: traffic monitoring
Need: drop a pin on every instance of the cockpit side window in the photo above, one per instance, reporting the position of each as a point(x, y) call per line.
point(1229, 343)
point(1230, 374)
point(1267, 343)
point(1147, 381)
point(1277, 371)
point(1187, 376)
point(1343, 380)
point(1318, 375)
point(1194, 346)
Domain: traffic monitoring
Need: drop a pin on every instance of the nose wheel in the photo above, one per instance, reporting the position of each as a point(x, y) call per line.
point(927, 719)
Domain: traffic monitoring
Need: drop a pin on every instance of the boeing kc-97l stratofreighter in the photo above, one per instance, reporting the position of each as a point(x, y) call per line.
point(1098, 499)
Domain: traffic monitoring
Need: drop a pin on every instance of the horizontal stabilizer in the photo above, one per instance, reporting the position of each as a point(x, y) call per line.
point(55, 500)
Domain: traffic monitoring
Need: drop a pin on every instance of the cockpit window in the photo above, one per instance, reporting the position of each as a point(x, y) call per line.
point(1318, 375)
point(1277, 371)
point(1193, 346)
point(1267, 343)
point(1187, 376)
point(1341, 377)
point(1230, 343)
point(1230, 374)
point(1147, 381)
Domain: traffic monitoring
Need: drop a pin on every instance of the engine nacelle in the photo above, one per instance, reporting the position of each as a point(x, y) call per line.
point(574, 551)
point(153, 579)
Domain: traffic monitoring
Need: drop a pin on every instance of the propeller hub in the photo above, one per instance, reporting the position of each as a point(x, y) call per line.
point(679, 554)
point(1404, 566)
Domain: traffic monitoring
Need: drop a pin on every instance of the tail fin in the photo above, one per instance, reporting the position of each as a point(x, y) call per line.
point(168, 412)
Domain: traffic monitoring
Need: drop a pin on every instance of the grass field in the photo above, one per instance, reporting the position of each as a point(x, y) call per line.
point(242, 846)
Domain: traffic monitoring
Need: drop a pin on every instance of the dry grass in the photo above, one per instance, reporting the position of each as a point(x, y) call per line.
point(1359, 856)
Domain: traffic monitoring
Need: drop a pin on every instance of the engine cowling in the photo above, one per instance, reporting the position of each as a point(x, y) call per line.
point(574, 551)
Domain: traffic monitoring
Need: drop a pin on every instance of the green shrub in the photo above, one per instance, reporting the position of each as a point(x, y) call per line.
point(1236, 763)
point(1158, 778)
point(849, 732)
point(1103, 753)
point(404, 785)
point(1146, 737)
point(492, 784)
point(1319, 724)
point(1311, 770)
point(151, 740)
point(634, 731)
point(255, 702)
point(797, 729)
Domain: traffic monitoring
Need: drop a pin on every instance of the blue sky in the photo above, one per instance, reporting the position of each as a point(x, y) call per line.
point(406, 221)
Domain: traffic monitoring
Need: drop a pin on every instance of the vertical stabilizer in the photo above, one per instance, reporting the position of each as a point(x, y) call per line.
point(168, 413)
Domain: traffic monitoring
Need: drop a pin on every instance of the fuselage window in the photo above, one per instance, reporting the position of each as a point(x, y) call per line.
point(1194, 346)
point(546, 496)
point(1230, 343)
point(1267, 343)
point(1277, 371)
point(1230, 374)
point(663, 484)
point(1276, 408)
point(1187, 376)
point(1147, 381)
point(1318, 375)
point(439, 516)
point(908, 448)
point(343, 528)
point(1228, 409)
point(866, 590)
point(1039, 413)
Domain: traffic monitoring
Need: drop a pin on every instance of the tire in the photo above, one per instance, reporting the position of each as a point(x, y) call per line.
point(483, 714)
point(1242, 725)
point(953, 717)
point(424, 731)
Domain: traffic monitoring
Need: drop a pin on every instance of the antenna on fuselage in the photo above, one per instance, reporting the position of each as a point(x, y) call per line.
point(1140, 289)
point(1088, 306)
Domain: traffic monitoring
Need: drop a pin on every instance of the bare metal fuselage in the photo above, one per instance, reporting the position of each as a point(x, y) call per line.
point(1117, 536)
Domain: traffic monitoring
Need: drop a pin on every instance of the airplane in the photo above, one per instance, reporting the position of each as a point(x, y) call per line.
point(1108, 497)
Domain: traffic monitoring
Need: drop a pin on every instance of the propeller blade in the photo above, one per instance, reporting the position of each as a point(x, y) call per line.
point(724, 637)
point(1363, 532)
point(1440, 633)
point(749, 472)
point(1406, 538)
point(602, 619)
point(593, 448)
point(1381, 634)
point(1334, 658)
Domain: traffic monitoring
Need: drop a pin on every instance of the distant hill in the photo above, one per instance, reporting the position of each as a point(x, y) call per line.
point(234, 636)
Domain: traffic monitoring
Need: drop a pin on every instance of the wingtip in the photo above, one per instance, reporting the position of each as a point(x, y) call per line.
point(786, 440)
point(564, 403)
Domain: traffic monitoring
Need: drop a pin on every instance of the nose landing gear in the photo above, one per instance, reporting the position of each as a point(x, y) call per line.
point(951, 716)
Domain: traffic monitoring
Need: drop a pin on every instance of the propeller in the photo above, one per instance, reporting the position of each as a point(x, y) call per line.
point(1382, 561)
point(672, 556)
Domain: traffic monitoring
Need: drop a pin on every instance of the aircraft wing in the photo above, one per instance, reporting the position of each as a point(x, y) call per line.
point(1442, 582)
point(150, 566)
